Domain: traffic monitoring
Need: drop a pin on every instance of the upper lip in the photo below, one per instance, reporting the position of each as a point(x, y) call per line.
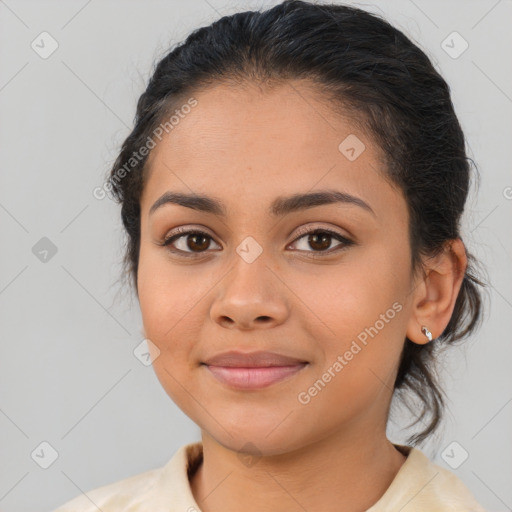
point(258, 359)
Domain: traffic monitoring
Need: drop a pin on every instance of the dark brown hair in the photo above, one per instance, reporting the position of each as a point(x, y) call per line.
point(361, 63)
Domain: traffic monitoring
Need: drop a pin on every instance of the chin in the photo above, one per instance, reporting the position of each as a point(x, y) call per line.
point(254, 440)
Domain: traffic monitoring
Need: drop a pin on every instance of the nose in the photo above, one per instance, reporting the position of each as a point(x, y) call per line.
point(250, 296)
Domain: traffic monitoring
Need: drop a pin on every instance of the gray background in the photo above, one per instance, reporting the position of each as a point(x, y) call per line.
point(68, 374)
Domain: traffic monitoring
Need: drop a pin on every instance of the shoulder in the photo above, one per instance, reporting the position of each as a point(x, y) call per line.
point(151, 491)
point(426, 486)
point(122, 495)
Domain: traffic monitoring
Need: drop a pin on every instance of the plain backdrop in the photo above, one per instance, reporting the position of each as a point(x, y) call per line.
point(73, 395)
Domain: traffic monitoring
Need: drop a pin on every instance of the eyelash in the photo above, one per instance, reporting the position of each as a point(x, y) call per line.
point(302, 233)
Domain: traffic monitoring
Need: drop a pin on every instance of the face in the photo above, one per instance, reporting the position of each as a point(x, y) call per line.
point(335, 301)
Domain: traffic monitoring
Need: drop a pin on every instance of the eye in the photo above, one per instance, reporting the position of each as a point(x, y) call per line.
point(320, 239)
point(194, 242)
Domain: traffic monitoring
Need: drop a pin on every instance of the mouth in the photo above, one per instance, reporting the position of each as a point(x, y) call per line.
point(253, 377)
point(253, 370)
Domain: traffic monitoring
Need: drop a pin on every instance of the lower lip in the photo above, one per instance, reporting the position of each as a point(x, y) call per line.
point(253, 378)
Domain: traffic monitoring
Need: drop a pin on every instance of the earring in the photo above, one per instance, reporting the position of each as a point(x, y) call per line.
point(426, 332)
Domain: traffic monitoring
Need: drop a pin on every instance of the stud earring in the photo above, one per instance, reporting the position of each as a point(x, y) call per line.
point(426, 332)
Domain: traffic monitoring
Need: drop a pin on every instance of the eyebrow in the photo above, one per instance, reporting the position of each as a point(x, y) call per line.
point(281, 206)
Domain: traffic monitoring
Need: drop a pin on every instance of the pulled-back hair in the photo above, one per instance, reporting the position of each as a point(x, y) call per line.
point(363, 66)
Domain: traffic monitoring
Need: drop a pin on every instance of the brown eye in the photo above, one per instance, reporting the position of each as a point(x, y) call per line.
point(320, 241)
point(197, 242)
point(317, 242)
point(189, 242)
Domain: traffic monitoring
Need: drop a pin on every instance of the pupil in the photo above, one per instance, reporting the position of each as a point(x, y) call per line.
point(204, 245)
point(324, 243)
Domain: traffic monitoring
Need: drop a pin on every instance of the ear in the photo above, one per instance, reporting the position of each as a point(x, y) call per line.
point(436, 291)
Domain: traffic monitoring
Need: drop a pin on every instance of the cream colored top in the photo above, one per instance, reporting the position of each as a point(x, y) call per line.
point(420, 485)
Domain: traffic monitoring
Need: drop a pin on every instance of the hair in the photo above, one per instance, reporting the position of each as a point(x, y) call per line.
point(364, 66)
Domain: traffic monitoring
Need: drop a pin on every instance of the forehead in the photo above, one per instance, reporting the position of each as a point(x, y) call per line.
point(264, 143)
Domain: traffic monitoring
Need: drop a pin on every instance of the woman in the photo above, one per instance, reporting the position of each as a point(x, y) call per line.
point(292, 192)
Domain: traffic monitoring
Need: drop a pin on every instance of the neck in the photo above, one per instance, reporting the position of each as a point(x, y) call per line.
point(335, 473)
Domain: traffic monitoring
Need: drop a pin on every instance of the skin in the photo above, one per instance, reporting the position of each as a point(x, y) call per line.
point(247, 146)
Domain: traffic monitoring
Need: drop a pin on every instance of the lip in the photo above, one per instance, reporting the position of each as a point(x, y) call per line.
point(253, 370)
point(237, 359)
point(253, 378)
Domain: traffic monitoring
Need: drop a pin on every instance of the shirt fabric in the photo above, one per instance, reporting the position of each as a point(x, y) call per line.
point(420, 486)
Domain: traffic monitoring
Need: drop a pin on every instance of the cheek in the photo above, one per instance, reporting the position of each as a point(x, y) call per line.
point(164, 292)
point(166, 301)
point(354, 294)
point(362, 307)
point(163, 299)
point(174, 306)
